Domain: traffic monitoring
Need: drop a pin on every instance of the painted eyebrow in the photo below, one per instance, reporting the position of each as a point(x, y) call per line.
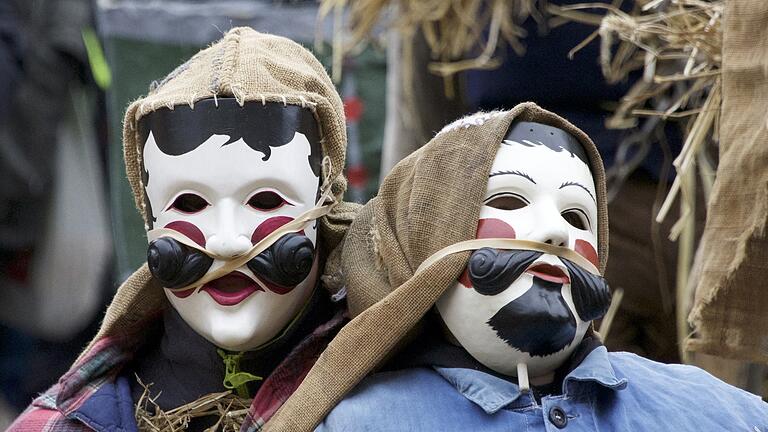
point(572, 183)
point(517, 173)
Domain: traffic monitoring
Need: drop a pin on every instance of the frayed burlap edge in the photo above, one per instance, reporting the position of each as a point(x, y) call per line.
point(722, 326)
point(729, 310)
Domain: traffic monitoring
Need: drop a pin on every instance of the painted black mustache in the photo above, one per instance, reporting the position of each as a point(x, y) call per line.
point(176, 265)
point(492, 271)
point(286, 262)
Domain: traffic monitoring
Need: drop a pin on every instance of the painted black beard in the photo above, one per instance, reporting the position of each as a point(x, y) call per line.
point(539, 322)
point(286, 263)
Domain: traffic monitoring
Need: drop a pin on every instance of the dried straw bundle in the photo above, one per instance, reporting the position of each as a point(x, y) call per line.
point(230, 409)
point(453, 29)
point(677, 44)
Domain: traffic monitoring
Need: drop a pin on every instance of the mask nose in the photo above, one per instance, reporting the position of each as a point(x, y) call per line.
point(228, 241)
point(228, 245)
point(551, 228)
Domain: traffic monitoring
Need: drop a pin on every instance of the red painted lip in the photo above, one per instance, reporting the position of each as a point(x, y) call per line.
point(231, 289)
point(183, 294)
point(550, 273)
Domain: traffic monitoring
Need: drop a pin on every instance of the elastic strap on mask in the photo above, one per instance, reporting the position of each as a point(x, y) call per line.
point(506, 243)
point(323, 206)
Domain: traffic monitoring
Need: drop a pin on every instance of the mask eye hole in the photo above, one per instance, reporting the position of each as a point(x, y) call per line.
point(266, 201)
point(189, 203)
point(506, 201)
point(576, 218)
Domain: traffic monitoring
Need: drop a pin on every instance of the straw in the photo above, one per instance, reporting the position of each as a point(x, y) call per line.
point(229, 410)
point(453, 29)
point(677, 44)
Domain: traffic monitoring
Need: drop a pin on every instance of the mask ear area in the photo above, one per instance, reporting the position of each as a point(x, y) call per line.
point(591, 294)
point(492, 271)
point(287, 262)
point(175, 265)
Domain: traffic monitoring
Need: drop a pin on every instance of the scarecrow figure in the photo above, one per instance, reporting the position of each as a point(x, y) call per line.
point(235, 162)
point(473, 277)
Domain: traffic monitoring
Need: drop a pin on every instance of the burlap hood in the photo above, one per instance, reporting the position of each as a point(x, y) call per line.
point(249, 66)
point(430, 200)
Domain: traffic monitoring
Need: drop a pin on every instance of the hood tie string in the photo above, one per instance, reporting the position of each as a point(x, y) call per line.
point(234, 378)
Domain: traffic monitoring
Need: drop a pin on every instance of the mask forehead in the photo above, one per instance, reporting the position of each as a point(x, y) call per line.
point(550, 188)
point(218, 170)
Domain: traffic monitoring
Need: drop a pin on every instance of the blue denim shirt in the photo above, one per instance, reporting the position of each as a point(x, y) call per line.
point(606, 392)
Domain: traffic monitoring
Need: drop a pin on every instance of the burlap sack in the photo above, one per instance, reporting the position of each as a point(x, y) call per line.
point(730, 312)
point(251, 67)
point(430, 200)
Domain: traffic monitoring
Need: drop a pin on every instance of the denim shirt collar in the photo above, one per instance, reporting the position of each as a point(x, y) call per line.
point(595, 369)
point(492, 393)
point(487, 391)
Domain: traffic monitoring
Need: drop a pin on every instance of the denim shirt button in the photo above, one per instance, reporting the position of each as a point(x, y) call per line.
point(557, 417)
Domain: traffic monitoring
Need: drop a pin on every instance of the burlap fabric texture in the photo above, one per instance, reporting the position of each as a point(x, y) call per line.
point(730, 310)
point(430, 200)
point(251, 67)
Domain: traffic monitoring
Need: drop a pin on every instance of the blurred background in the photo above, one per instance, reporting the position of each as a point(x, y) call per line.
point(69, 232)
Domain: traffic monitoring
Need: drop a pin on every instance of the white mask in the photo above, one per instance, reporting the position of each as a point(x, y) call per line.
point(534, 193)
point(226, 197)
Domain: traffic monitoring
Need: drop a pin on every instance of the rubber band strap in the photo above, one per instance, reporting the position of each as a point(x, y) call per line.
point(505, 243)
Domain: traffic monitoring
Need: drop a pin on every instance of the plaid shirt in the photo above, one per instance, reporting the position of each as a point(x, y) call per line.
point(93, 396)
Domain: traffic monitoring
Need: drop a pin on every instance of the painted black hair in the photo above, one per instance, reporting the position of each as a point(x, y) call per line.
point(531, 133)
point(261, 126)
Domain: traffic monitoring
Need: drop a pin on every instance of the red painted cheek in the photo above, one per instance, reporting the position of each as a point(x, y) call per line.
point(494, 228)
point(489, 228)
point(268, 226)
point(465, 280)
point(189, 230)
point(586, 250)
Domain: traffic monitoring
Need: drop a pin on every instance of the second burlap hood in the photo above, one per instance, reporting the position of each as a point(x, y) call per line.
point(250, 67)
point(430, 200)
